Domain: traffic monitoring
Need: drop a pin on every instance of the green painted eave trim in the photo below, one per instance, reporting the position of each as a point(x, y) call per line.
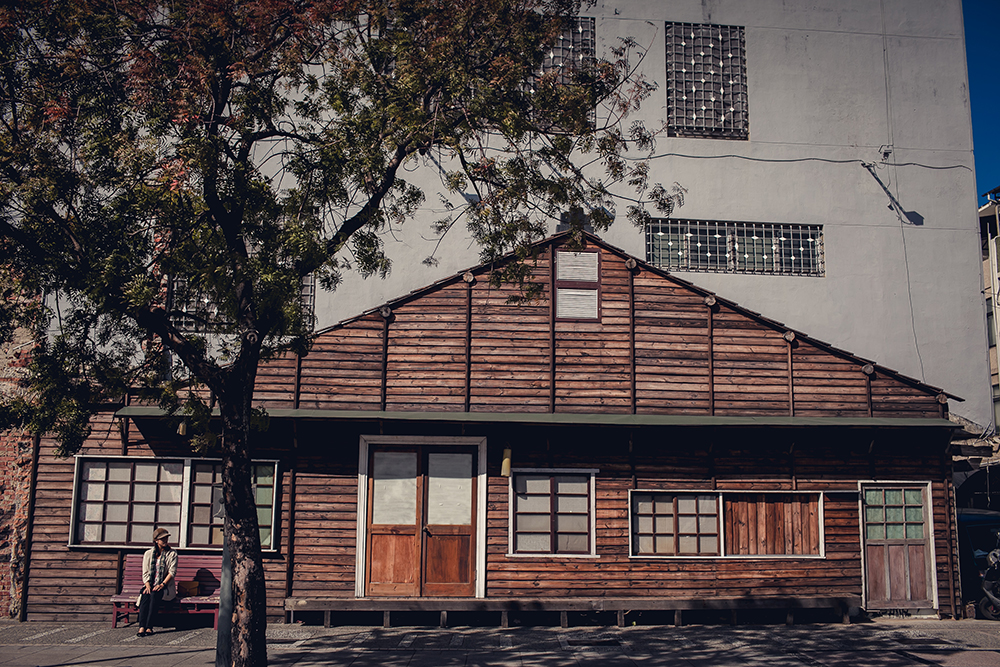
point(587, 419)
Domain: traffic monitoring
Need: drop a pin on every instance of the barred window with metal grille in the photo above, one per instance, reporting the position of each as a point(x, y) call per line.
point(193, 311)
point(706, 81)
point(573, 49)
point(735, 247)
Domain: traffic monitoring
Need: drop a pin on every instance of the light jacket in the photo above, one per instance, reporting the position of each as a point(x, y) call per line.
point(170, 562)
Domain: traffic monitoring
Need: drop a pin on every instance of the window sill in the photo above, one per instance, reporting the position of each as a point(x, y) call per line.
point(552, 556)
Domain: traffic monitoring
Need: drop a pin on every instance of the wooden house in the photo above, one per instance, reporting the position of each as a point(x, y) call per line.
point(626, 441)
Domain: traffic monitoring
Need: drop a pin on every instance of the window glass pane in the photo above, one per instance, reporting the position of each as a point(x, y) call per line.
point(94, 471)
point(914, 496)
point(529, 484)
point(688, 545)
point(119, 470)
point(172, 472)
point(170, 493)
point(143, 512)
point(571, 543)
point(199, 535)
point(894, 531)
point(576, 485)
point(687, 504)
point(664, 544)
point(146, 472)
point(265, 495)
point(914, 531)
point(707, 524)
point(914, 513)
point(533, 504)
point(643, 504)
point(201, 514)
point(709, 545)
point(644, 545)
point(664, 524)
point(532, 542)
point(92, 491)
point(574, 504)
point(876, 532)
point(173, 529)
point(145, 492)
point(265, 474)
point(90, 532)
point(575, 523)
point(687, 524)
point(534, 523)
point(265, 538)
point(645, 524)
point(217, 535)
point(169, 514)
point(202, 494)
point(665, 505)
point(204, 473)
point(92, 511)
point(894, 514)
point(118, 491)
point(117, 533)
point(893, 496)
point(394, 489)
point(263, 516)
point(873, 496)
point(707, 504)
point(141, 533)
point(117, 512)
point(875, 514)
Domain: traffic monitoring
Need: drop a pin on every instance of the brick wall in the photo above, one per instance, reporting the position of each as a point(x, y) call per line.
point(15, 484)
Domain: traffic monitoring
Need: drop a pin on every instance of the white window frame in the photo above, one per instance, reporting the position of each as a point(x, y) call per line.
point(721, 493)
point(591, 472)
point(181, 540)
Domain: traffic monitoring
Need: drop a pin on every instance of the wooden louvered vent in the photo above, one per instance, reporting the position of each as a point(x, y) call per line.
point(577, 285)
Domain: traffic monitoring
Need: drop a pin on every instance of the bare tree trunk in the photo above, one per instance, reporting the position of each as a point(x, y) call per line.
point(249, 619)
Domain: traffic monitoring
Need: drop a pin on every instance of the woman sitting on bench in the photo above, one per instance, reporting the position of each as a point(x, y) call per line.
point(159, 567)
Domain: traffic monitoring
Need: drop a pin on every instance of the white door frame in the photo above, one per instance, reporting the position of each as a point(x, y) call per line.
point(366, 442)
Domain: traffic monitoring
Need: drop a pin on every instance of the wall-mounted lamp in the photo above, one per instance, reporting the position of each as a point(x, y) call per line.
point(182, 428)
point(505, 466)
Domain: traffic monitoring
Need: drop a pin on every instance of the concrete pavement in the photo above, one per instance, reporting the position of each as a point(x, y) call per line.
point(884, 643)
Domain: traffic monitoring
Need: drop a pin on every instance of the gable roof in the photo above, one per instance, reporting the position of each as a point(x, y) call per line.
point(660, 346)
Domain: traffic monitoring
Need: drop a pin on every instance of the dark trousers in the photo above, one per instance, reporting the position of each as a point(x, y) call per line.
point(147, 608)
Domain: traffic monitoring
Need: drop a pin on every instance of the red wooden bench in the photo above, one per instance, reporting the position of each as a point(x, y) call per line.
point(206, 570)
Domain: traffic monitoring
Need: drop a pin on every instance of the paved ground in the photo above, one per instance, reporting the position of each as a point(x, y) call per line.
point(885, 643)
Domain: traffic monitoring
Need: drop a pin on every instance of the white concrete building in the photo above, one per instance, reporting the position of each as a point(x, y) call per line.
point(849, 135)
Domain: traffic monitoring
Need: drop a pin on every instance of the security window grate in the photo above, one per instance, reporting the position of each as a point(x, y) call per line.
point(193, 311)
point(735, 247)
point(706, 81)
point(573, 49)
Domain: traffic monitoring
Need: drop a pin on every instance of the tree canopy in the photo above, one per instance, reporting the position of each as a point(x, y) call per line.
point(157, 154)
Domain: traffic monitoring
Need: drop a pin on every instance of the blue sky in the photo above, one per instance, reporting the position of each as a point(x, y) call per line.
point(982, 23)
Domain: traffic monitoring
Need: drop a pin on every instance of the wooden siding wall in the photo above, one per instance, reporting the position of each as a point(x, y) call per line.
point(323, 546)
point(659, 347)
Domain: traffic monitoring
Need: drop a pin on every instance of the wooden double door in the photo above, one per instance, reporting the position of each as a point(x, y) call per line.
point(898, 549)
point(421, 522)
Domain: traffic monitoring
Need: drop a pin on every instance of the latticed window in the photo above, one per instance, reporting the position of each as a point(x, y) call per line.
point(193, 311)
point(119, 501)
point(684, 524)
point(706, 81)
point(552, 513)
point(735, 247)
point(573, 49)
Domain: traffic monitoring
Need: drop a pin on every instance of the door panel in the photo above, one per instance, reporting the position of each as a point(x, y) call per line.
point(393, 533)
point(897, 548)
point(421, 536)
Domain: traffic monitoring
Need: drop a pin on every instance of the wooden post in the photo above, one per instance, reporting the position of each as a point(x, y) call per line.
point(790, 617)
point(444, 619)
point(468, 278)
point(678, 618)
point(290, 539)
point(504, 620)
point(386, 619)
point(621, 618)
point(631, 266)
point(29, 529)
point(552, 329)
point(790, 338)
point(298, 382)
point(710, 302)
point(386, 314)
point(951, 546)
point(563, 619)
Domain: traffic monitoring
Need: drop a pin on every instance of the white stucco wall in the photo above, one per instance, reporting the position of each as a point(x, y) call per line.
point(830, 83)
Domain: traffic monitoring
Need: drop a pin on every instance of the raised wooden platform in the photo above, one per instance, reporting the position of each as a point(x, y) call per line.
point(565, 605)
